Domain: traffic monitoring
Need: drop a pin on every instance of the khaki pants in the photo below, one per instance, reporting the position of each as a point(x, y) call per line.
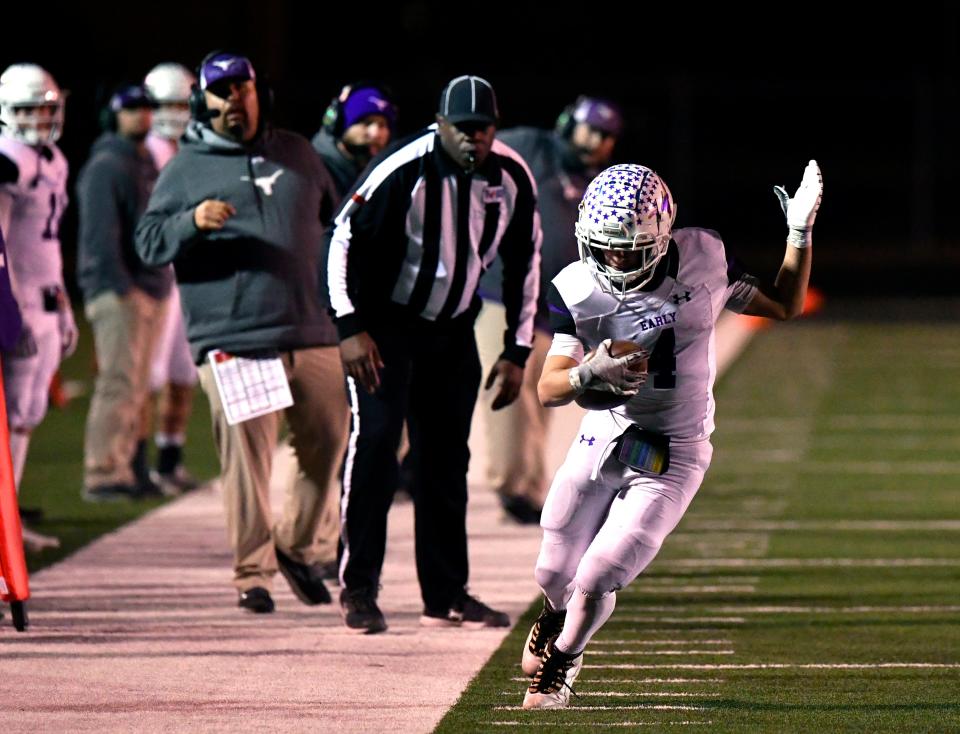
point(124, 332)
point(318, 422)
point(515, 435)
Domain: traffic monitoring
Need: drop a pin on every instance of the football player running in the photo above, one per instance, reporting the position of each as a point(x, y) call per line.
point(33, 195)
point(632, 471)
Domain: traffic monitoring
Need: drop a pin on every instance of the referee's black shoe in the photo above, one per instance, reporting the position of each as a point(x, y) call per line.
point(305, 581)
point(256, 600)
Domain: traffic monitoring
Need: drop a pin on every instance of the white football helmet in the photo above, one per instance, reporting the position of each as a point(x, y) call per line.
point(169, 84)
point(627, 207)
point(31, 104)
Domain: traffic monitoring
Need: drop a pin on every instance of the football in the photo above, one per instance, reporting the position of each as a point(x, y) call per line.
point(601, 399)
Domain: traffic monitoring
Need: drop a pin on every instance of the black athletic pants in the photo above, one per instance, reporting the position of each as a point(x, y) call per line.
point(430, 378)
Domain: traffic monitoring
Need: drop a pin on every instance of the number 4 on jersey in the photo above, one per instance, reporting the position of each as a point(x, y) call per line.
point(663, 362)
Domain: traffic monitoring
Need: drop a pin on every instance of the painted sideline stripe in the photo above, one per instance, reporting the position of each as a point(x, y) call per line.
point(661, 642)
point(777, 666)
point(809, 562)
point(680, 620)
point(658, 652)
point(744, 589)
point(894, 421)
point(645, 579)
point(893, 468)
point(786, 609)
point(694, 524)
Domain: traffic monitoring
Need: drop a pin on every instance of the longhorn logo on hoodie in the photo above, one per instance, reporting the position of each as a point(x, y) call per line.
point(265, 182)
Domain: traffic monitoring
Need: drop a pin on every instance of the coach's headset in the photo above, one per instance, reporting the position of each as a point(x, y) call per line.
point(198, 102)
point(333, 117)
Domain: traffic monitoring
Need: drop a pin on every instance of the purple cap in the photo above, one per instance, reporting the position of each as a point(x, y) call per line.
point(225, 66)
point(599, 113)
point(132, 97)
point(469, 98)
point(367, 101)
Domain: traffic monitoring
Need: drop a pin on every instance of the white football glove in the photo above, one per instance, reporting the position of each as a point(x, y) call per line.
point(801, 210)
point(610, 374)
point(69, 334)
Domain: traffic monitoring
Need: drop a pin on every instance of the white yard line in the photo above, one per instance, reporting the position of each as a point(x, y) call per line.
point(879, 468)
point(797, 609)
point(677, 563)
point(608, 653)
point(679, 620)
point(622, 643)
point(774, 525)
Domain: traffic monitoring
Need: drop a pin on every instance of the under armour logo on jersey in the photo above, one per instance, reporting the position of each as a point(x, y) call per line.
point(587, 441)
point(677, 298)
point(265, 182)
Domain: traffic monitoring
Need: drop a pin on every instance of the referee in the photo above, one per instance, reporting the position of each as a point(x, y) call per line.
point(408, 249)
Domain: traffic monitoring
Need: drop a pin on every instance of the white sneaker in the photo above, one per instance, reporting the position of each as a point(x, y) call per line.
point(35, 542)
point(553, 682)
point(542, 633)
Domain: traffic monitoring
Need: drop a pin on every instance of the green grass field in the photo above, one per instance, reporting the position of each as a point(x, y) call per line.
point(814, 585)
point(53, 476)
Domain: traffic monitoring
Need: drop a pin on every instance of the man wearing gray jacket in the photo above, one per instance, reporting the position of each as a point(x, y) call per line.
point(240, 212)
point(124, 299)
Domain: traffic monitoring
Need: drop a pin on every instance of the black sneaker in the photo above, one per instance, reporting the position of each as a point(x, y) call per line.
point(360, 611)
point(544, 631)
point(305, 581)
point(256, 600)
point(552, 684)
point(466, 611)
point(520, 510)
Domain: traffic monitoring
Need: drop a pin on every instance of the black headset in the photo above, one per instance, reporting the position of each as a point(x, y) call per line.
point(333, 121)
point(198, 102)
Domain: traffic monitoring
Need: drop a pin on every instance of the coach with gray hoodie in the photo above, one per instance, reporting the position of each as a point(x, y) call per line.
point(124, 299)
point(240, 211)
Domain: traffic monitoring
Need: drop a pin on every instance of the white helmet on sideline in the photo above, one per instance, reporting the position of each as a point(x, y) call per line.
point(169, 84)
point(31, 104)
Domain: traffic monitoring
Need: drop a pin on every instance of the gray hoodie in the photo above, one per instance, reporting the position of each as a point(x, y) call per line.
point(112, 190)
point(251, 286)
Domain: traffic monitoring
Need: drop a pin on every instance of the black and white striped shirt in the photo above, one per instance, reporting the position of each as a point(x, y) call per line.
point(419, 232)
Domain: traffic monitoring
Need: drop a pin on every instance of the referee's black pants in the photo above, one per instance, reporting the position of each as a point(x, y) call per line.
point(431, 376)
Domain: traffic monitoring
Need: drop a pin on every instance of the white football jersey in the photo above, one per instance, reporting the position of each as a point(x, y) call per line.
point(161, 149)
point(30, 211)
point(674, 321)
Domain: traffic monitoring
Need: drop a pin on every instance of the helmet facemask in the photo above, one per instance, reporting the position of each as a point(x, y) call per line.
point(31, 105)
point(626, 208)
point(34, 125)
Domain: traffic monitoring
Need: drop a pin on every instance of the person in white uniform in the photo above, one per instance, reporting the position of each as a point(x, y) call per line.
point(173, 375)
point(633, 470)
point(33, 195)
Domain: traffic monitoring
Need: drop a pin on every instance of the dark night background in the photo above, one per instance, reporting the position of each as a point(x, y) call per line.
point(723, 100)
